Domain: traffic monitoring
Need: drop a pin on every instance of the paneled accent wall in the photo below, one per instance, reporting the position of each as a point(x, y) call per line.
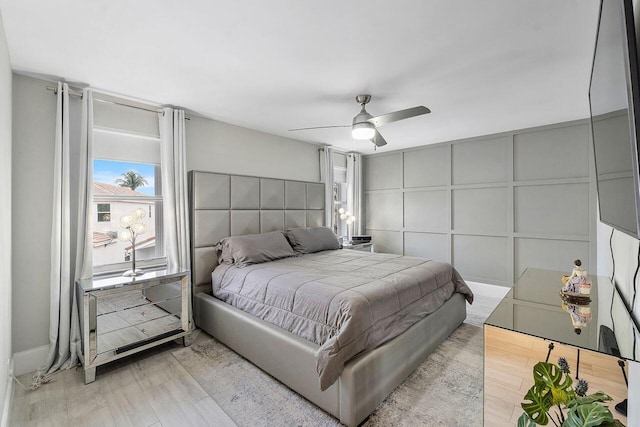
point(491, 206)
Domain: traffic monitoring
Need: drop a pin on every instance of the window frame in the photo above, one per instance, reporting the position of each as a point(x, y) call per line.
point(158, 200)
point(128, 131)
point(99, 212)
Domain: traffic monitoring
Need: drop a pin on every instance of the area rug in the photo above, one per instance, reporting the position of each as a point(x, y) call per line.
point(445, 390)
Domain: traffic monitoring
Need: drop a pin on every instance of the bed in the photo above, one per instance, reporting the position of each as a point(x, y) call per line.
point(225, 205)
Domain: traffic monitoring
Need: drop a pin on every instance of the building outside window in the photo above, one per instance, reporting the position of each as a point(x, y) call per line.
point(107, 248)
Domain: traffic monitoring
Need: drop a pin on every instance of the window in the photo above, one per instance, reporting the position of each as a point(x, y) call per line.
point(104, 212)
point(126, 179)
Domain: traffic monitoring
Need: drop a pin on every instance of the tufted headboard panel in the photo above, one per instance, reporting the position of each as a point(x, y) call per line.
point(223, 205)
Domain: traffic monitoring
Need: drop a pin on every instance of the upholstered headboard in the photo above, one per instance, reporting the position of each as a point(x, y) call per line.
point(223, 205)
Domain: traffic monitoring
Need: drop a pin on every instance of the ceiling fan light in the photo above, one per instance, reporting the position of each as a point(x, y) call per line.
point(364, 130)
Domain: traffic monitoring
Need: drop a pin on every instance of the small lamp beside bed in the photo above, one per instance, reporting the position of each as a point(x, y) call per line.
point(350, 219)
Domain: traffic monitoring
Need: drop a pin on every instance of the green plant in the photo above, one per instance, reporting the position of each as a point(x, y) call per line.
point(131, 179)
point(552, 397)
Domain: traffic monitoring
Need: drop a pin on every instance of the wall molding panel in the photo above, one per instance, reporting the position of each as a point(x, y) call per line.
point(491, 206)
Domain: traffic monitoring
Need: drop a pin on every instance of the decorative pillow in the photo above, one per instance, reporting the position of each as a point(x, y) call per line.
point(253, 248)
point(224, 253)
point(309, 240)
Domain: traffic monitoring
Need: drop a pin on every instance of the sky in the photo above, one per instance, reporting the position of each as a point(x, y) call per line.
point(109, 171)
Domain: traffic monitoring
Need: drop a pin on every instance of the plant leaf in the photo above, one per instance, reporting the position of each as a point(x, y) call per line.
point(595, 397)
point(554, 380)
point(539, 403)
point(525, 421)
point(589, 415)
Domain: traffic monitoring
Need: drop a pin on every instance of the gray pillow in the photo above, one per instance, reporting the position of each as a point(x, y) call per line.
point(309, 240)
point(254, 248)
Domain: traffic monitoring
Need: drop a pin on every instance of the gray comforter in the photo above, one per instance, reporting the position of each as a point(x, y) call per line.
point(345, 301)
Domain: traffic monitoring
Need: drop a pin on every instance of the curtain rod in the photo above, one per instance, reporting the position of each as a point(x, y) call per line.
point(346, 153)
point(74, 93)
point(130, 106)
point(71, 92)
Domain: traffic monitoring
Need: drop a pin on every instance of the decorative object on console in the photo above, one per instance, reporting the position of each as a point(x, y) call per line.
point(577, 286)
point(132, 228)
point(580, 314)
point(553, 394)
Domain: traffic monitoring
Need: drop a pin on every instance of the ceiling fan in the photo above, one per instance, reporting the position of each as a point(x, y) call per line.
point(364, 125)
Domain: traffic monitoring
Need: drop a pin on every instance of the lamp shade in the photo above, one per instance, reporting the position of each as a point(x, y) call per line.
point(127, 220)
point(125, 235)
point(139, 228)
point(363, 130)
point(139, 213)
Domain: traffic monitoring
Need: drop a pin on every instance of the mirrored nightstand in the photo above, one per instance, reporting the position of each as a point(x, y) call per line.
point(117, 319)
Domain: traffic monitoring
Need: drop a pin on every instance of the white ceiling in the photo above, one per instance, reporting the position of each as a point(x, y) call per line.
point(480, 66)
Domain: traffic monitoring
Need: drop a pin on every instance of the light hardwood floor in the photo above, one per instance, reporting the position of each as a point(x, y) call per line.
point(146, 389)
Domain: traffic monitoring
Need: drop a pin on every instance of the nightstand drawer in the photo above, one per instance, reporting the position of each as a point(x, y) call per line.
point(128, 317)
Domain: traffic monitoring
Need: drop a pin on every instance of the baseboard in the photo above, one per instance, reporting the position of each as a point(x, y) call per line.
point(8, 398)
point(487, 290)
point(30, 360)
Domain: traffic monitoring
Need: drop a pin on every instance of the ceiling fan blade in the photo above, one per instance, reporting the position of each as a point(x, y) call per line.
point(398, 115)
point(321, 127)
point(378, 140)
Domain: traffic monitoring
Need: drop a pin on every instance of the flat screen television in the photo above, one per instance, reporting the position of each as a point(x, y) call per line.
point(614, 100)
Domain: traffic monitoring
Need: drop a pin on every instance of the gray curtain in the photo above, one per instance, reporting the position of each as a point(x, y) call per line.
point(174, 187)
point(84, 251)
point(70, 231)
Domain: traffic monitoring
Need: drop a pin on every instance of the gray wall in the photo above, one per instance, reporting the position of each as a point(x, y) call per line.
point(219, 147)
point(5, 216)
point(491, 206)
point(34, 113)
point(211, 146)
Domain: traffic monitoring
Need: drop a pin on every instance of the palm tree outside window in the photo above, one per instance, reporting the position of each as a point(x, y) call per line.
point(132, 179)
